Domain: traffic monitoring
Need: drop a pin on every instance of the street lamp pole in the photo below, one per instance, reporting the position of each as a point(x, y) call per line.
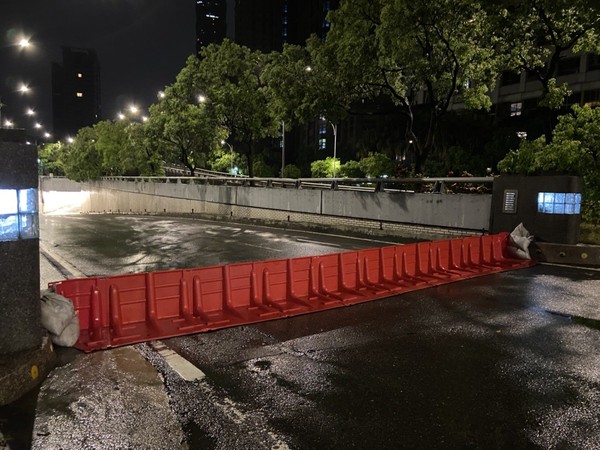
point(282, 146)
point(334, 126)
point(223, 142)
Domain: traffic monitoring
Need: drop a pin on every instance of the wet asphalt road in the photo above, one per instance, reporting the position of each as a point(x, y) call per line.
point(506, 361)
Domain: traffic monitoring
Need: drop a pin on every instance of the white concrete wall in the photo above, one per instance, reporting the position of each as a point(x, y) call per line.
point(454, 211)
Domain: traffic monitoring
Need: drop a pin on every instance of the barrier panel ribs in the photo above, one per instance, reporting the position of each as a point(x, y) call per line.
point(126, 309)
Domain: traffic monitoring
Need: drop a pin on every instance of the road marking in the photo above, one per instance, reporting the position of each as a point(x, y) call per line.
point(178, 363)
point(230, 408)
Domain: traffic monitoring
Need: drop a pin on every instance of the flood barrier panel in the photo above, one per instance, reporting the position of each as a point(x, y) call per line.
point(126, 309)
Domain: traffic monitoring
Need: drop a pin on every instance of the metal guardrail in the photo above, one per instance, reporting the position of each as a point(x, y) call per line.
point(184, 171)
point(442, 185)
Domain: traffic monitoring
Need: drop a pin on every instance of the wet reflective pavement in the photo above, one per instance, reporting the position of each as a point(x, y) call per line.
point(506, 361)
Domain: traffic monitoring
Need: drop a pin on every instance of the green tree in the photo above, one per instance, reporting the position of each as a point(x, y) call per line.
point(537, 34)
point(574, 150)
point(351, 169)
point(288, 79)
point(51, 161)
point(377, 165)
point(413, 52)
point(323, 168)
point(182, 124)
point(81, 159)
point(291, 171)
point(229, 75)
point(141, 149)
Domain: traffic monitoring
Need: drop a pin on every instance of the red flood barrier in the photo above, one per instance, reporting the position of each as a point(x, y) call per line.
point(127, 309)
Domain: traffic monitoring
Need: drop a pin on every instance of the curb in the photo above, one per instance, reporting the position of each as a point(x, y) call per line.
point(576, 255)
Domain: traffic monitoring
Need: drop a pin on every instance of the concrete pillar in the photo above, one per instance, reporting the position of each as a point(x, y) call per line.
point(20, 323)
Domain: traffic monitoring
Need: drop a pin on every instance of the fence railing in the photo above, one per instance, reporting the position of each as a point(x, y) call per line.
point(442, 185)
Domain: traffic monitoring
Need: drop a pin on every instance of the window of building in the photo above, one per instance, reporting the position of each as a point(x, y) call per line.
point(593, 61)
point(322, 144)
point(568, 66)
point(516, 109)
point(79, 94)
point(509, 78)
point(531, 76)
point(322, 128)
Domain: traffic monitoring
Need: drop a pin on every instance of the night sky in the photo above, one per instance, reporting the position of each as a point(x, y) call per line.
point(141, 46)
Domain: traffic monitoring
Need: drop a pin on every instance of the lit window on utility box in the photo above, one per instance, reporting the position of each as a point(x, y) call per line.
point(18, 214)
point(559, 202)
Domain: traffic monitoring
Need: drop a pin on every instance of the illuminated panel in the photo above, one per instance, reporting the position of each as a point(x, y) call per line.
point(559, 202)
point(18, 214)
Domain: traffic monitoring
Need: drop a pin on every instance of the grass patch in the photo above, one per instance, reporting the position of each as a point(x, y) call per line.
point(589, 233)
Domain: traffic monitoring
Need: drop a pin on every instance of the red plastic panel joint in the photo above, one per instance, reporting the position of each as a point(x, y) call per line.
point(127, 309)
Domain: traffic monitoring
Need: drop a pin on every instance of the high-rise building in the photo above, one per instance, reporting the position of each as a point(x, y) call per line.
point(75, 91)
point(211, 22)
point(267, 25)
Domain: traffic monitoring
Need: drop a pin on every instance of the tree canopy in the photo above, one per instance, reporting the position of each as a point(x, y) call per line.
point(229, 76)
point(416, 53)
point(574, 150)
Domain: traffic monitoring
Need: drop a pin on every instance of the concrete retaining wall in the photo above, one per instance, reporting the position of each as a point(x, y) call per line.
point(402, 213)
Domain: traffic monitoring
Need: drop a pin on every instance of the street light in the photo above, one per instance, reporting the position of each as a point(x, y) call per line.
point(282, 146)
point(334, 126)
point(223, 142)
point(24, 43)
point(24, 89)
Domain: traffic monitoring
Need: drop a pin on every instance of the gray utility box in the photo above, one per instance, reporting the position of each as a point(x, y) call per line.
point(548, 206)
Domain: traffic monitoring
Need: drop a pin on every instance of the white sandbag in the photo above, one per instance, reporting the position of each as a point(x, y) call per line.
point(59, 318)
point(519, 241)
point(57, 312)
point(69, 335)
